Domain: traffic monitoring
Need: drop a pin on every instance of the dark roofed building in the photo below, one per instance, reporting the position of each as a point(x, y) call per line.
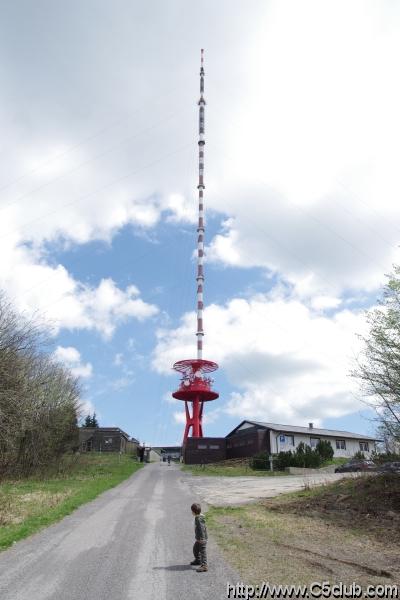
point(103, 439)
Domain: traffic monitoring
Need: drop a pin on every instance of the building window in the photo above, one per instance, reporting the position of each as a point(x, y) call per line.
point(288, 440)
point(214, 446)
point(108, 441)
point(314, 442)
point(249, 442)
point(202, 446)
point(229, 445)
point(364, 446)
point(340, 445)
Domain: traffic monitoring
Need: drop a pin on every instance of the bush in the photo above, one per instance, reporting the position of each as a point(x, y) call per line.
point(359, 455)
point(325, 450)
point(260, 462)
point(283, 460)
point(382, 457)
point(303, 457)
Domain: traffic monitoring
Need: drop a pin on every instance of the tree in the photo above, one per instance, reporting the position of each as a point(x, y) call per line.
point(39, 398)
point(88, 421)
point(91, 421)
point(378, 365)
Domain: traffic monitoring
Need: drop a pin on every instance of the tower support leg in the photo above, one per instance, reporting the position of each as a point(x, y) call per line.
point(188, 424)
point(196, 417)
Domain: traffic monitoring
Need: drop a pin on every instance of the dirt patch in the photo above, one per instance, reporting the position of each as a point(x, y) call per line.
point(370, 504)
point(289, 549)
point(16, 508)
point(298, 540)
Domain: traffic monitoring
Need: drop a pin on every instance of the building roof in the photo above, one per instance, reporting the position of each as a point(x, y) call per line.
point(85, 434)
point(105, 430)
point(313, 431)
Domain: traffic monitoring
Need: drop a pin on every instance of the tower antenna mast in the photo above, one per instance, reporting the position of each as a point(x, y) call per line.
point(200, 226)
point(195, 387)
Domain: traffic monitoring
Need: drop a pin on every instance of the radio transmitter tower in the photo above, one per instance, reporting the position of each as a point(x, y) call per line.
point(195, 387)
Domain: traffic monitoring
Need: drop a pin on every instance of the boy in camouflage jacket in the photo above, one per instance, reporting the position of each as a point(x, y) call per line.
point(200, 545)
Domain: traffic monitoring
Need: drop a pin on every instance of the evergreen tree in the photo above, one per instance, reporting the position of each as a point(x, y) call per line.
point(325, 450)
point(88, 421)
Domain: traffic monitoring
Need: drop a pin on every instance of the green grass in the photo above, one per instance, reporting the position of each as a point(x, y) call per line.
point(228, 471)
point(28, 505)
point(241, 470)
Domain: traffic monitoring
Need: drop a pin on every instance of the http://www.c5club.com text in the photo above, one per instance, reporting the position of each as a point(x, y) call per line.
point(324, 589)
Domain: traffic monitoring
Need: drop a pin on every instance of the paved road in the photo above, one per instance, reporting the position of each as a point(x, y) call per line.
point(133, 542)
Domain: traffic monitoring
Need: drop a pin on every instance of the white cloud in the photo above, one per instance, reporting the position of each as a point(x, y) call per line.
point(121, 383)
point(286, 361)
point(181, 207)
point(311, 125)
point(301, 159)
point(179, 417)
point(168, 399)
point(71, 358)
point(310, 180)
point(64, 301)
point(67, 354)
point(324, 302)
point(87, 408)
point(118, 359)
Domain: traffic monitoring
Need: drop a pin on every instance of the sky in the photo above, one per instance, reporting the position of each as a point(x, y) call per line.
point(98, 199)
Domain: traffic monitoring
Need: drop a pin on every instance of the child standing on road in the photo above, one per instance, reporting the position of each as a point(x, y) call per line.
point(200, 545)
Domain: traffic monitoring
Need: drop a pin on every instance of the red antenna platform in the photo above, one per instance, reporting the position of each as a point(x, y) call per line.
point(195, 386)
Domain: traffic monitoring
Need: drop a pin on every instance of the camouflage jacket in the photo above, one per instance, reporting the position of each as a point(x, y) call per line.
point(200, 528)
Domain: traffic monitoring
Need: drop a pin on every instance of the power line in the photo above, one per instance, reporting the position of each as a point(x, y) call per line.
point(96, 191)
point(86, 162)
point(84, 141)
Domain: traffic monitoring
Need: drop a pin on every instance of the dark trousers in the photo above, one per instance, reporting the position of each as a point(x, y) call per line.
point(200, 552)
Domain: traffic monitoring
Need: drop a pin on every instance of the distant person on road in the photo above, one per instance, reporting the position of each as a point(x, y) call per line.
point(169, 459)
point(200, 545)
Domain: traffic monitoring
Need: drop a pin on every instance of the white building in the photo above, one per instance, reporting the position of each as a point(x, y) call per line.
point(251, 437)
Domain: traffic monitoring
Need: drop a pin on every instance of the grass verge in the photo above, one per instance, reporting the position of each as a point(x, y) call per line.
point(229, 471)
point(28, 505)
point(238, 468)
point(300, 537)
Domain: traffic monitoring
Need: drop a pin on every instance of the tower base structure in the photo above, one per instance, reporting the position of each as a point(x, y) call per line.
point(195, 388)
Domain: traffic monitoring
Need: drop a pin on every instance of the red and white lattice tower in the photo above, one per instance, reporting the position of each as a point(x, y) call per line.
point(195, 387)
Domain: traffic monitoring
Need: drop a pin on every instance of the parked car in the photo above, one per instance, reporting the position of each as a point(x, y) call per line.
point(356, 465)
point(389, 467)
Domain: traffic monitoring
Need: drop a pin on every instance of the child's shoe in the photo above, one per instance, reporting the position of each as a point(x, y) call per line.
point(202, 569)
